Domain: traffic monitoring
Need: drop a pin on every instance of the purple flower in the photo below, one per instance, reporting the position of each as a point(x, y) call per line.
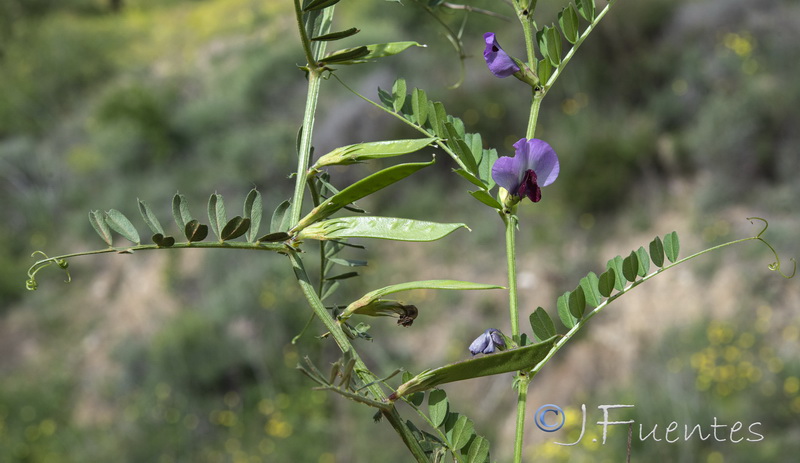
point(498, 60)
point(534, 165)
point(487, 342)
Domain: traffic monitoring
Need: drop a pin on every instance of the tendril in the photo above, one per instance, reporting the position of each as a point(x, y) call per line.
point(31, 284)
point(775, 266)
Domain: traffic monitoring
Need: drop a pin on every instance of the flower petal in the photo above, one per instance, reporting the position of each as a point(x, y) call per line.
point(500, 64)
point(480, 344)
point(539, 156)
point(505, 172)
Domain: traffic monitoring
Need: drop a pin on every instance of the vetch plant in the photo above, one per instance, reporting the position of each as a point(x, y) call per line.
point(334, 219)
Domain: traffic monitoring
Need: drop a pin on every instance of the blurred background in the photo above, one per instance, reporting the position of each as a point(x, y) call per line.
point(675, 115)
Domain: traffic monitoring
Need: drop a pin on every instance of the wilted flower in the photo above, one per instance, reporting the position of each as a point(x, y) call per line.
point(497, 59)
point(534, 165)
point(486, 343)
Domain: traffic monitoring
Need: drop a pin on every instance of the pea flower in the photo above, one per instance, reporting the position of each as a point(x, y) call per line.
point(486, 343)
point(500, 64)
point(534, 165)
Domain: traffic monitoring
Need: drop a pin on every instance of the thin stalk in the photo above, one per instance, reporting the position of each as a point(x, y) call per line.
point(391, 414)
point(522, 399)
point(304, 154)
point(536, 103)
point(513, 308)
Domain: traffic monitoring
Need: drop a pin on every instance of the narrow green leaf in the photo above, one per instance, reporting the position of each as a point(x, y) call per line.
point(486, 198)
point(348, 262)
point(360, 189)
point(616, 264)
point(544, 69)
point(553, 45)
point(461, 433)
point(336, 35)
point(606, 282)
point(522, 358)
point(441, 118)
point(568, 20)
point(541, 41)
point(589, 283)
point(120, 224)
point(460, 148)
point(433, 119)
point(419, 106)
point(319, 4)
point(99, 224)
point(385, 97)
point(195, 231)
point(360, 152)
point(438, 406)
point(657, 252)
point(542, 325)
point(478, 450)
point(644, 261)
point(216, 214)
point(346, 56)
point(150, 218)
point(273, 237)
point(342, 276)
point(577, 302)
point(385, 228)
point(487, 162)
point(630, 267)
point(278, 222)
point(587, 9)
point(562, 304)
point(253, 208)
point(471, 178)
point(399, 94)
point(475, 143)
point(235, 228)
point(672, 246)
point(180, 211)
point(366, 53)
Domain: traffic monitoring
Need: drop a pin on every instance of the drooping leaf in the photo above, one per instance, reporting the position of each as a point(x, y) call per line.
point(278, 222)
point(562, 305)
point(216, 214)
point(441, 118)
point(398, 94)
point(616, 264)
point(606, 282)
point(553, 45)
point(99, 224)
point(478, 450)
point(522, 358)
point(461, 149)
point(342, 276)
point(336, 35)
point(346, 56)
point(587, 9)
point(589, 283)
point(487, 162)
point(542, 325)
point(470, 178)
point(386, 228)
point(360, 189)
point(577, 302)
point(568, 20)
point(630, 266)
point(366, 53)
point(180, 211)
point(195, 231)
point(657, 251)
point(438, 406)
point(235, 228)
point(419, 106)
point(462, 432)
point(672, 246)
point(644, 261)
point(360, 152)
point(150, 218)
point(486, 198)
point(319, 4)
point(348, 262)
point(120, 224)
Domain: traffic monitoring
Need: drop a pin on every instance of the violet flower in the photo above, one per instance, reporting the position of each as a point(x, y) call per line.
point(534, 165)
point(486, 343)
point(498, 60)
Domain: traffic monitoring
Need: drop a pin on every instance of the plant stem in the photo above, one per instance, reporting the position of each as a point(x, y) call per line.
point(511, 225)
point(536, 103)
point(391, 414)
point(304, 154)
point(522, 399)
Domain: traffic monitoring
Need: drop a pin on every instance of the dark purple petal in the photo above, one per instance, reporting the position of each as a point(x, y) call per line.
point(500, 64)
point(529, 187)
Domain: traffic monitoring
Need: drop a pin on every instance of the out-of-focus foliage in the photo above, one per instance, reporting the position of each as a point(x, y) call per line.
point(102, 102)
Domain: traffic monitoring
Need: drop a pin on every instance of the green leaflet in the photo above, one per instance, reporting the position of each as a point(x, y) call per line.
point(386, 228)
point(424, 284)
point(150, 218)
point(100, 226)
point(630, 266)
point(657, 251)
point(365, 53)
point(336, 35)
point(438, 407)
point(359, 152)
point(671, 246)
point(523, 358)
point(542, 324)
point(568, 20)
point(253, 208)
point(120, 224)
point(216, 214)
point(358, 190)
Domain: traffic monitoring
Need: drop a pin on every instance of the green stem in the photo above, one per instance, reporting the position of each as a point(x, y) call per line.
point(391, 414)
point(522, 399)
point(511, 224)
point(536, 103)
point(304, 155)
